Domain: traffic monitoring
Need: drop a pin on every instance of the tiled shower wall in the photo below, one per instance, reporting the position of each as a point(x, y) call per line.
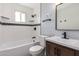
point(14, 33)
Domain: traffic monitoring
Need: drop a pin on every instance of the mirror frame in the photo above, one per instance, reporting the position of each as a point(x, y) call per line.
point(57, 24)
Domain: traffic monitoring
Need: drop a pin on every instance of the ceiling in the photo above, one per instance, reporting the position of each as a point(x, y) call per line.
point(35, 6)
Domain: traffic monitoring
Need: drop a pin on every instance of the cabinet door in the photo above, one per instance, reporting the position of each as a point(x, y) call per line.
point(76, 53)
point(66, 51)
point(59, 50)
point(51, 49)
point(47, 49)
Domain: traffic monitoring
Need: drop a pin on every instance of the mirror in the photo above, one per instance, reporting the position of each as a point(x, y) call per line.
point(67, 16)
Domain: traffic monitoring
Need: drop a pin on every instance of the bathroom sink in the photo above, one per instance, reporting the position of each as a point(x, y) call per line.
point(55, 38)
point(72, 41)
point(63, 41)
point(69, 41)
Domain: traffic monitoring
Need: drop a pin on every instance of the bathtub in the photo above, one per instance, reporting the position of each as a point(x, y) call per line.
point(16, 48)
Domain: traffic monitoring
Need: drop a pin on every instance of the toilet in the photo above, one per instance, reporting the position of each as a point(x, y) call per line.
point(38, 50)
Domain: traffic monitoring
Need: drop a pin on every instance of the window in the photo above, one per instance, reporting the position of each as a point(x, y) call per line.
point(19, 16)
point(22, 17)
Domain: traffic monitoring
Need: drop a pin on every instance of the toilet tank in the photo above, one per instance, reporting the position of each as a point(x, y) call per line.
point(42, 40)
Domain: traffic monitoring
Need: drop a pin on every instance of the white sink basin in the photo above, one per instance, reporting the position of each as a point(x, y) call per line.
point(72, 41)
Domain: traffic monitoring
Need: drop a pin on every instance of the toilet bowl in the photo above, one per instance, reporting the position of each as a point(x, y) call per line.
point(36, 50)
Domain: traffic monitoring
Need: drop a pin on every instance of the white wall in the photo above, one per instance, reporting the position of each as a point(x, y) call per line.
point(49, 27)
point(14, 33)
point(8, 10)
point(36, 8)
point(37, 12)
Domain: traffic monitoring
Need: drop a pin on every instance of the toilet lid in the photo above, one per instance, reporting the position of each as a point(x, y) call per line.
point(36, 48)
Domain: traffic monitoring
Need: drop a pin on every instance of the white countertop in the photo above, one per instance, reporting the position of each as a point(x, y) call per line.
point(71, 43)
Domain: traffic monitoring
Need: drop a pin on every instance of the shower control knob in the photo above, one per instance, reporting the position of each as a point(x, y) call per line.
point(33, 40)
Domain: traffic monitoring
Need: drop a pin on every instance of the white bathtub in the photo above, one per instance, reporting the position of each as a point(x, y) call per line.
point(16, 48)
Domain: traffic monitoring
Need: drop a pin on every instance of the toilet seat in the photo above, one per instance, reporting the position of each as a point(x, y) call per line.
point(36, 49)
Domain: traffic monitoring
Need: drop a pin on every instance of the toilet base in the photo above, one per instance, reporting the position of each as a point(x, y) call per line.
point(40, 54)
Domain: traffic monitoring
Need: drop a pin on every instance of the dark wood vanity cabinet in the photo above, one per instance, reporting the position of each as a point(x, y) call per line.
point(50, 49)
point(66, 51)
point(53, 49)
